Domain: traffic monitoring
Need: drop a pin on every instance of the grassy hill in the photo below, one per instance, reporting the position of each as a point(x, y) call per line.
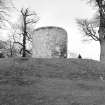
point(25, 81)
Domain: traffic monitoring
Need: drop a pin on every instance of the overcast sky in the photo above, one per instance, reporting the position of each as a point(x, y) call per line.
point(63, 13)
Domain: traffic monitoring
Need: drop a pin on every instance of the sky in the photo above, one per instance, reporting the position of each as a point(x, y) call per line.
point(63, 13)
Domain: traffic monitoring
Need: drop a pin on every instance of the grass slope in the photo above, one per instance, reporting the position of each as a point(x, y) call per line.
point(26, 81)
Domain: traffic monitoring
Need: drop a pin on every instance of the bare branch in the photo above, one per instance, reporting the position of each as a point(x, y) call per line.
point(22, 11)
point(19, 43)
point(32, 21)
point(21, 50)
point(31, 14)
point(28, 51)
point(88, 29)
point(29, 36)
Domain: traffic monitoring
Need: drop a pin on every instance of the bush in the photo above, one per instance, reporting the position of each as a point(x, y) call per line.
point(2, 55)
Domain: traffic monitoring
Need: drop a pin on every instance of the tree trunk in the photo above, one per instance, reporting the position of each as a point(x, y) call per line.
point(102, 51)
point(24, 45)
point(24, 36)
point(102, 43)
point(102, 29)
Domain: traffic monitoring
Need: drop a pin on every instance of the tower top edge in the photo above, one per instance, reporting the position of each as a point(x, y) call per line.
point(50, 27)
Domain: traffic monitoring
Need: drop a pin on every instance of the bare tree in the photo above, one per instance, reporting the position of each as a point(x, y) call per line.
point(24, 31)
point(7, 49)
point(90, 26)
point(13, 50)
point(6, 8)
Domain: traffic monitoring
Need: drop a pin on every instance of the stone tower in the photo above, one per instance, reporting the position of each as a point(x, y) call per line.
point(49, 42)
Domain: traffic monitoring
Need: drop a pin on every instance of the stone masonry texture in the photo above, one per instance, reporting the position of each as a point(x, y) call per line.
point(49, 42)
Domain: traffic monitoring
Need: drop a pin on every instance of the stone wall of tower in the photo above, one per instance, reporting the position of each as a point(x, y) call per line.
point(49, 42)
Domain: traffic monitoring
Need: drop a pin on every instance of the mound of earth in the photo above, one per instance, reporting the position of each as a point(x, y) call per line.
point(30, 81)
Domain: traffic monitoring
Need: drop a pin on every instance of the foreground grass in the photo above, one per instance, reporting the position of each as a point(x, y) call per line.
point(51, 82)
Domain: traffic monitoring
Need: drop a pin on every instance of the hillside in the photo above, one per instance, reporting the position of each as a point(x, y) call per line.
point(25, 81)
